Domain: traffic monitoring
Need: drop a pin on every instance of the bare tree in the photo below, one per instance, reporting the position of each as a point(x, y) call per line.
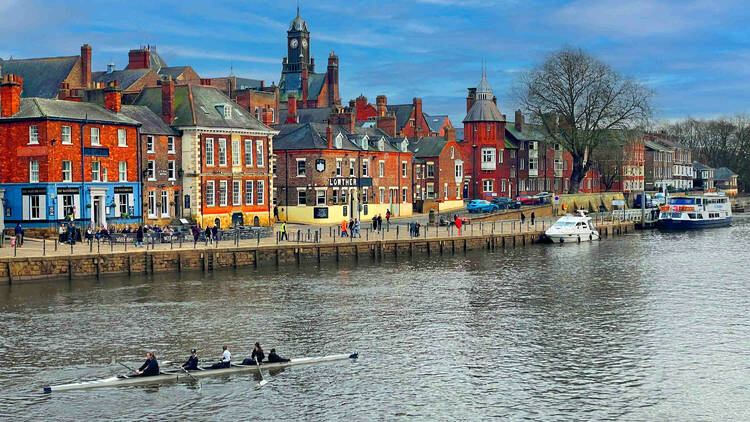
point(580, 100)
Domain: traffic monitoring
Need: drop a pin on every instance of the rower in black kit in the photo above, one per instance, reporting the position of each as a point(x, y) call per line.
point(149, 368)
point(256, 356)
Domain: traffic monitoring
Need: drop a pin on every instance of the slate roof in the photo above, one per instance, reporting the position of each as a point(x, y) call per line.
point(155, 61)
point(152, 123)
point(528, 132)
point(657, 146)
point(245, 83)
point(41, 77)
point(292, 83)
point(484, 111)
point(698, 167)
point(723, 173)
point(427, 147)
point(197, 105)
point(173, 71)
point(313, 136)
point(308, 115)
point(125, 78)
point(39, 108)
point(403, 113)
point(459, 134)
point(435, 122)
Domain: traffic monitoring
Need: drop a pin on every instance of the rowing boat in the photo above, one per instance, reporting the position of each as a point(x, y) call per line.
point(179, 375)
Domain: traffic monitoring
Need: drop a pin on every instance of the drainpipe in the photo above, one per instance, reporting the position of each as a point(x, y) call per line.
point(83, 180)
point(139, 166)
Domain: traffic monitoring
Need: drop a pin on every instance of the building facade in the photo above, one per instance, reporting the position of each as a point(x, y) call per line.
point(66, 160)
point(438, 175)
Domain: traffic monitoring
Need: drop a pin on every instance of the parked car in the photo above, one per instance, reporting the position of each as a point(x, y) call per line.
point(480, 205)
point(505, 203)
point(544, 197)
point(527, 200)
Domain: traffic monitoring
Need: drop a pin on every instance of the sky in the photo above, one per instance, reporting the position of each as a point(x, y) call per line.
point(695, 54)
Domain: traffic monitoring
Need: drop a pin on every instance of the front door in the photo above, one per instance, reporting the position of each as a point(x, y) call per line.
point(96, 212)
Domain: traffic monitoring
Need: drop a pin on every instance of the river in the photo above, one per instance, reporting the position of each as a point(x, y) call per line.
point(646, 326)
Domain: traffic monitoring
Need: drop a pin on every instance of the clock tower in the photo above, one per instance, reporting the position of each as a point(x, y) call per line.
point(298, 47)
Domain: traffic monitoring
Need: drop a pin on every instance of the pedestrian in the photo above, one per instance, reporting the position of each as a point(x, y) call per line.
point(388, 218)
point(374, 222)
point(412, 229)
point(533, 216)
point(351, 227)
point(343, 229)
point(62, 232)
point(89, 234)
point(139, 237)
point(19, 235)
point(523, 218)
point(275, 213)
point(458, 223)
point(380, 222)
point(71, 234)
point(196, 234)
point(215, 234)
point(209, 239)
point(357, 228)
point(416, 229)
point(283, 231)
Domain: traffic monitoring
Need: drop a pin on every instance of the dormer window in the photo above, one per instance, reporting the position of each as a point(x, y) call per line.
point(381, 144)
point(227, 111)
point(365, 141)
point(337, 142)
point(404, 145)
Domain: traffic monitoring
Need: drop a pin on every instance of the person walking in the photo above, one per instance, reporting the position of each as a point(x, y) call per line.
point(380, 222)
point(284, 235)
point(388, 218)
point(357, 228)
point(215, 234)
point(19, 235)
point(412, 228)
point(416, 229)
point(523, 218)
point(458, 223)
point(275, 213)
point(209, 239)
point(533, 217)
point(343, 229)
point(139, 237)
point(196, 234)
point(374, 222)
point(351, 227)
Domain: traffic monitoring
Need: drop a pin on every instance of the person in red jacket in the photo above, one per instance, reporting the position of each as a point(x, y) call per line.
point(458, 224)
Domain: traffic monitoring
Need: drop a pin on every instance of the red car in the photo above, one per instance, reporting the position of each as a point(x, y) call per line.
point(527, 200)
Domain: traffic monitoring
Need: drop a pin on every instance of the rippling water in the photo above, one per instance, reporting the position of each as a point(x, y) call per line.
point(648, 326)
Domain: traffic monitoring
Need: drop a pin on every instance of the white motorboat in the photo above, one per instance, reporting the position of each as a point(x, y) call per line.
point(181, 375)
point(573, 228)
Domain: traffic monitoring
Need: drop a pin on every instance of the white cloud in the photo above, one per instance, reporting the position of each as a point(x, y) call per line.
point(215, 55)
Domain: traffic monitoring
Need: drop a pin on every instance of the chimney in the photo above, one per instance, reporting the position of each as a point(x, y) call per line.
point(343, 117)
point(167, 100)
point(206, 81)
point(333, 79)
point(387, 123)
point(417, 104)
point(312, 64)
point(113, 97)
point(519, 121)
point(291, 112)
point(64, 91)
point(262, 85)
point(267, 116)
point(381, 102)
point(139, 59)
point(304, 88)
point(329, 136)
point(86, 66)
point(471, 98)
point(450, 134)
point(10, 95)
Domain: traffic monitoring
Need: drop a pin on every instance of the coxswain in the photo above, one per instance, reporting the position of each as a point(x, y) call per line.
point(274, 358)
point(150, 367)
point(192, 362)
point(226, 359)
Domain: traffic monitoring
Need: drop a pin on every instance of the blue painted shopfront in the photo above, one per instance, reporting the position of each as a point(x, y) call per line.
point(49, 204)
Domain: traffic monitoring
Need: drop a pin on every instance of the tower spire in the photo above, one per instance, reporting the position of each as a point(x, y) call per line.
point(297, 8)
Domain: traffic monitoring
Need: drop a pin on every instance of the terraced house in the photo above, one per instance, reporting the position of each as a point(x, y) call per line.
point(67, 160)
point(226, 154)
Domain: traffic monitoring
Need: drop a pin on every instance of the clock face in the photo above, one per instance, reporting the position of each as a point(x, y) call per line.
point(304, 43)
point(293, 43)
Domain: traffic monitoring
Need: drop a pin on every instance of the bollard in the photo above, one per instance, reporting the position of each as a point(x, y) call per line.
point(396, 232)
point(15, 248)
point(367, 234)
point(383, 233)
point(98, 245)
point(126, 244)
point(44, 247)
point(55, 245)
point(493, 227)
point(258, 238)
point(481, 227)
point(330, 229)
point(472, 230)
point(91, 245)
point(299, 234)
point(111, 246)
point(308, 235)
point(171, 243)
point(278, 237)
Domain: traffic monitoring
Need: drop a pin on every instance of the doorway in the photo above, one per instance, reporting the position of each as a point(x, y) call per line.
point(97, 211)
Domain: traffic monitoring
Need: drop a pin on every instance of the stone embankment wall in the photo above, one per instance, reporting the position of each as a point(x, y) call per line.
point(15, 270)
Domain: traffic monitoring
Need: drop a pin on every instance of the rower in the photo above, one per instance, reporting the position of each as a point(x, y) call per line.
point(150, 367)
point(192, 362)
point(256, 356)
point(226, 359)
point(274, 358)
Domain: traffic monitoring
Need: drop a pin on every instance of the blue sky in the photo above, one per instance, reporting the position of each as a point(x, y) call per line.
point(695, 54)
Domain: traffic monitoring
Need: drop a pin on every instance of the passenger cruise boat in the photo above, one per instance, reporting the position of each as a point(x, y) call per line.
point(695, 212)
point(573, 228)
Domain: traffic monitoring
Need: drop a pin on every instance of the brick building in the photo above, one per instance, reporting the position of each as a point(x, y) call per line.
point(437, 178)
point(52, 77)
point(226, 154)
point(261, 100)
point(658, 165)
point(298, 75)
point(66, 159)
point(330, 172)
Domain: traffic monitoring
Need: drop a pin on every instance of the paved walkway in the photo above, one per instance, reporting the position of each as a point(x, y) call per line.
point(398, 229)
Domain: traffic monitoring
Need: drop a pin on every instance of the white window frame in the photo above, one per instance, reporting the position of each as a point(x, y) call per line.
point(260, 194)
point(303, 161)
point(365, 167)
point(222, 152)
point(165, 203)
point(69, 176)
point(488, 185)
point(488, 158)
point(33, 171)
point(301, 195)
point(171, 145)
point(404, 169)
point(223, 188)
point(33, 135)
point(404, 195)
point(259, 158)
point(236, 155)
point(96, 171)
point(36, 209)
point(210, 194)
point(381, 195)
point(94, 135)
point(352, 167)
point(321, 200)
point(122, 171)
point(430, 170)
point(122, 138)
point(381, 168)
point(248, 152)
point(66, 135)
point(338, 167)
point(171, 170)
point(210, 153)
point(151, 204)
point(236, 192)
point(151, 170)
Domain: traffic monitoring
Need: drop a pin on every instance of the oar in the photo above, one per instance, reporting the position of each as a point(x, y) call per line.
point(262, 378)
point(116, 361)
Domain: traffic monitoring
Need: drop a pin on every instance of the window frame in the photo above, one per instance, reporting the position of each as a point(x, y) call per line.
point(122, 138)
point(69, 135)
point(33, 135)
point(210, 200)
point(121, 171)
point(97, 137)
point(209, 156)
point(69, 178)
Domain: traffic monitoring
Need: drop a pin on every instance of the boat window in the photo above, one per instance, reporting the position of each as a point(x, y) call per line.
point(682, 201)
point(691, 216)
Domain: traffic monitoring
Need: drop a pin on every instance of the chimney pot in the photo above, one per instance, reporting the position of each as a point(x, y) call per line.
point(10, 95)
point(167, 100)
